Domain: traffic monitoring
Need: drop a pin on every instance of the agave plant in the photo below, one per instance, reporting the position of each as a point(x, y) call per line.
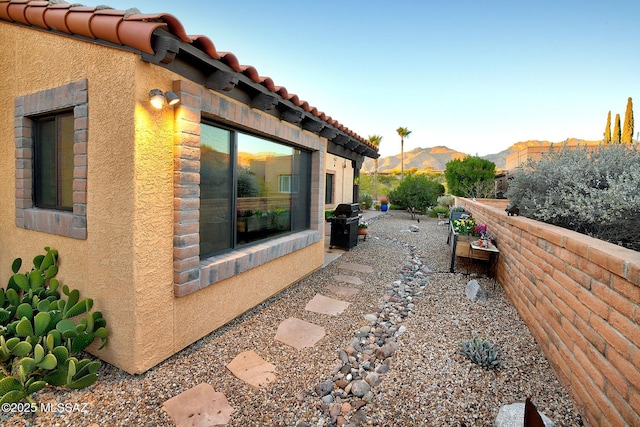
point(38, 339)
point(481, 352)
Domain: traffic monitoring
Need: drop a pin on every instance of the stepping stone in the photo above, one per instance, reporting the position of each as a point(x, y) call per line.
point(356, 267)
point(298, 333)
point(326, 305)
point(199, 406)
point(354, 280)
point(343, 290)
point(253, 369)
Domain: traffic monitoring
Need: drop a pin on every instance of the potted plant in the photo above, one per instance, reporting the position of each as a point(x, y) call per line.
point(363, 229)
point(384, 204)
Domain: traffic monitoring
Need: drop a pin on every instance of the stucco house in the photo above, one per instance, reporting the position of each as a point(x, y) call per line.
point(174, 220)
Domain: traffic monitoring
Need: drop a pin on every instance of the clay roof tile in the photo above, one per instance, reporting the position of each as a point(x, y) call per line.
point(35, 13)
point(206, 45)
point(79, 22)
point(17, 11)
point(56, 17)
point(231, 60)
point(135, 30)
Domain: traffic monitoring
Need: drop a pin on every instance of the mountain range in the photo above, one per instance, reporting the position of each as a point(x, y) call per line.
point(436, 158)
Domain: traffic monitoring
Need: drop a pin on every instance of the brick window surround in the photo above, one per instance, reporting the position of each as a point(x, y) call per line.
point(63, 98)
point(190, 272)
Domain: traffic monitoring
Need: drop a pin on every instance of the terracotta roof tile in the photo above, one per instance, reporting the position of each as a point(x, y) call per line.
point(135, 30)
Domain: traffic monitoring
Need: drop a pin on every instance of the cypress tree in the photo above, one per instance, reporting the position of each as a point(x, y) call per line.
point(607, 129)
point(627, 132)
point(616, 130)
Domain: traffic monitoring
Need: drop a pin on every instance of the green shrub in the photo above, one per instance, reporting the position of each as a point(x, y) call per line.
point(481, 352)
point(447, 201)
point(433, 213)
point(470, 177)
point(38, 338)
point(366, 200)
point(594, 193)
point(418, 191)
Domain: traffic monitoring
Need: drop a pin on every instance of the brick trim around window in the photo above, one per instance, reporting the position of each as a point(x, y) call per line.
point(70, 96)
point(190, 272)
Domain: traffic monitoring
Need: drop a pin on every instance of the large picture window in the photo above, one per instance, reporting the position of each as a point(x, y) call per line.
point(251, 189)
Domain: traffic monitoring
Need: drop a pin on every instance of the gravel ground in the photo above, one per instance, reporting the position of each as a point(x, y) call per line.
point(428, 382)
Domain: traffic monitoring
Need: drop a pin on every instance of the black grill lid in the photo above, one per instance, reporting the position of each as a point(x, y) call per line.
point(347, 210)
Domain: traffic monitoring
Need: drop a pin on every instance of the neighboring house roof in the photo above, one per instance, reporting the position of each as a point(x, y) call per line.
point(160, 38)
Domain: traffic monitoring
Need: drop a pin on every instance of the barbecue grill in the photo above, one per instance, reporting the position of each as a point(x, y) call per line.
point(344, 226)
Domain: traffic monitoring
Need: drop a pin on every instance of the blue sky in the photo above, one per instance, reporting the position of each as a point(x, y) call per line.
point(475, 76)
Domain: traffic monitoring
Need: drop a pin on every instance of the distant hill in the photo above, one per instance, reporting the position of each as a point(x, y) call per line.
point(436, 158)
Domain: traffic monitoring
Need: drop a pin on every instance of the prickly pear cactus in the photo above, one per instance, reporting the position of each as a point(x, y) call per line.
point(38, 338)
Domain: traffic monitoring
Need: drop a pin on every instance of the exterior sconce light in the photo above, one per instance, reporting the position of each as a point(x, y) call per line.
point(158, 99)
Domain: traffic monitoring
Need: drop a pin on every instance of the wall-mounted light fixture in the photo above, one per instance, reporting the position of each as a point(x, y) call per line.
point(158, 99)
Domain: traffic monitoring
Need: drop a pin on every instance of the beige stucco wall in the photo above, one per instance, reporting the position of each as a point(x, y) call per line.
point(343, 172)
point(126, 262)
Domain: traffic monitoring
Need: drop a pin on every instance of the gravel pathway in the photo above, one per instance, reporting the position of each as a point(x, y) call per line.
point(410, 306)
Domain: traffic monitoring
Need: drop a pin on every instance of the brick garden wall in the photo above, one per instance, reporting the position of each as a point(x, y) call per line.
point(580, 297)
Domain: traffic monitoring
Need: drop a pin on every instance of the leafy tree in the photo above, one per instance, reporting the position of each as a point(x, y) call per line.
point(594, 193)
point(418, 191)
point(607, 129)
point(616, 130)
point(248, 185)
point(470, 177)
point(627, 133)
point(375, 141)
point(404, 133)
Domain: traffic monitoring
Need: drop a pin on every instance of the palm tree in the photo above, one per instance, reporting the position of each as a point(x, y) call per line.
point(375, 141)
point(404, 133)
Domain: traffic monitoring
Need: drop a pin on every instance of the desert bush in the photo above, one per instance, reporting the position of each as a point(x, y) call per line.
point(433, 213)
point(366, 200)
point(591, 192)
point(418, 191)
point(470, 177)
point(447, 200)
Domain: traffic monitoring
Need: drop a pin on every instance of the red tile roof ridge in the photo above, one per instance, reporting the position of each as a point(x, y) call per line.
point(134, 29)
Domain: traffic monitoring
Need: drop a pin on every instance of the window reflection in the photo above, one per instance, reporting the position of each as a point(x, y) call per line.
point(251, 189)
point(265, 176)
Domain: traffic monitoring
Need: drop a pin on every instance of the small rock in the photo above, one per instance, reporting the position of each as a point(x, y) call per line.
point(368, 397)
point(372, 379)
point(360, 418)
point(385, 351)
point(414, 228)
point(324, 388)
point(359, 388)
point(341, 384)
point(358, 404)
point(346, 408)
point(370, 317)
point(382, 369)
point(327, 399)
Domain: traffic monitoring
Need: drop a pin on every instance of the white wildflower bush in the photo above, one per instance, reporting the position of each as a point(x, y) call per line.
point(592, 192)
